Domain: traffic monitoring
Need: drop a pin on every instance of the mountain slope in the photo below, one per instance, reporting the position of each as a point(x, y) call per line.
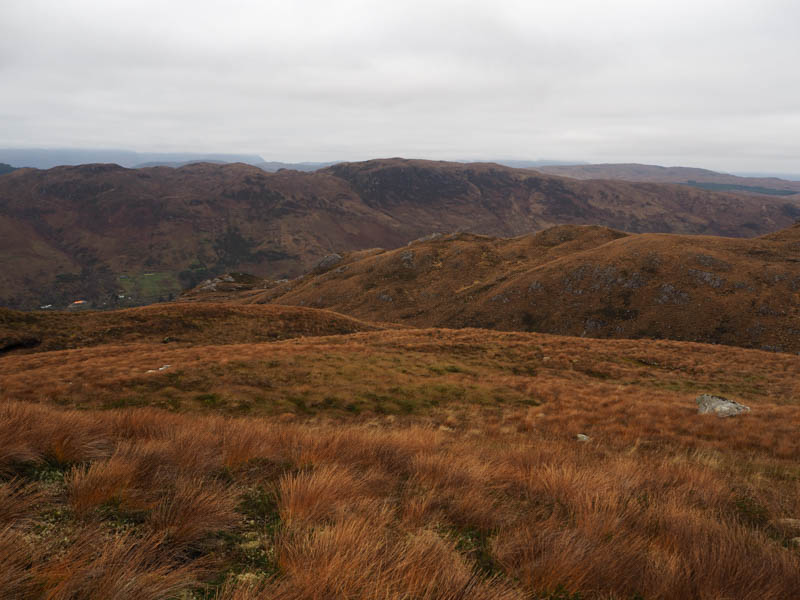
point(121, 237)
point(569, 280)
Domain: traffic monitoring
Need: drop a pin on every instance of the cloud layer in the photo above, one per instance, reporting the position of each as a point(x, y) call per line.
point(711, 83)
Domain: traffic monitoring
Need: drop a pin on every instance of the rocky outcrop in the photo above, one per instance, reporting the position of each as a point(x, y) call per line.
point(722, 407)
point(327, 262)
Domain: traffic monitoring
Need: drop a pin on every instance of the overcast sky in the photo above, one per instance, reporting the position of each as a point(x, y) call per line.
point(712, 83)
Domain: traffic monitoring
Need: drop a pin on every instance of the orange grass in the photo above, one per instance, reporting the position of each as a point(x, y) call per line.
point(122, 566)
point(620, 391)
point(428, 464)
point(389, 508)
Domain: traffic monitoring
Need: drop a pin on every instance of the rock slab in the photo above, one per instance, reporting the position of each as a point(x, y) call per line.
point(722, 407)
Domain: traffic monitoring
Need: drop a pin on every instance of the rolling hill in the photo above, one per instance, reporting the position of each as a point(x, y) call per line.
point(570, 280)
point(119, 237)
point(175, 324)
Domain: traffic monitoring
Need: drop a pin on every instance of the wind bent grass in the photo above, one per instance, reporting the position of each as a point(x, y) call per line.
point(153, 505)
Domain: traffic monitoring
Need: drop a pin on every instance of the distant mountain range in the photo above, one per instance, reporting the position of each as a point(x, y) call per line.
point(46, 158)
point(702, 178)
point(116, 236)
point(269, 167)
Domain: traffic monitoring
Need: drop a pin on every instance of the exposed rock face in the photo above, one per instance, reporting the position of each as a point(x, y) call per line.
point(425, 238)
point(722, 407)
point(408, 259)
point(331, 260)
point(669, 294)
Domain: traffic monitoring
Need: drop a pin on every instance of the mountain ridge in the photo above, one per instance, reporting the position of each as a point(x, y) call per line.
point(119, 237)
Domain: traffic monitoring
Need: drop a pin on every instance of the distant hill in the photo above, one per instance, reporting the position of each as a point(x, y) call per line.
point(175, 164)
point(273, 166)
point(4, 168)
point(701, 178)
point(269, 167)
point(569, 280)
point(533, 164)
point(118, 237)
point(46, 158)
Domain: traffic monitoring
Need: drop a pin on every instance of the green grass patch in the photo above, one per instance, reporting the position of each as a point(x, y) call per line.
point(210, 400)
point(150, 286)
point(442, 369)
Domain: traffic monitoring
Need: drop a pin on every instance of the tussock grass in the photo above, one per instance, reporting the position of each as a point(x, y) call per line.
point(191, 510)
point(17, 554)
point(122, 566)
point(391, 508)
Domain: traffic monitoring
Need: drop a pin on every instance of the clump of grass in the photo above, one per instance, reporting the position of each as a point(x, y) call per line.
point(311, 496)
point(18, 500)
point(191, 510)
point(113, 480)
point(19, 560)
point(123, 566)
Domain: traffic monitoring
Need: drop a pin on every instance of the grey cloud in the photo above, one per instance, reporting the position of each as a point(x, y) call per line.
point(684, 82)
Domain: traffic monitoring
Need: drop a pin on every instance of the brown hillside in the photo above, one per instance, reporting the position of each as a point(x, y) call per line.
point(181, 324)
point(121, 237)
point(586, 281)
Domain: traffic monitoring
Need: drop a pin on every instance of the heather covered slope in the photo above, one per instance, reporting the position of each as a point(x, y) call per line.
point(588, 281)
point(181, 324)
point(121, 237)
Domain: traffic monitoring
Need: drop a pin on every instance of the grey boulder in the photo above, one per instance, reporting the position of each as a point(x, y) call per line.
point(722, 407)
point(327, 262)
